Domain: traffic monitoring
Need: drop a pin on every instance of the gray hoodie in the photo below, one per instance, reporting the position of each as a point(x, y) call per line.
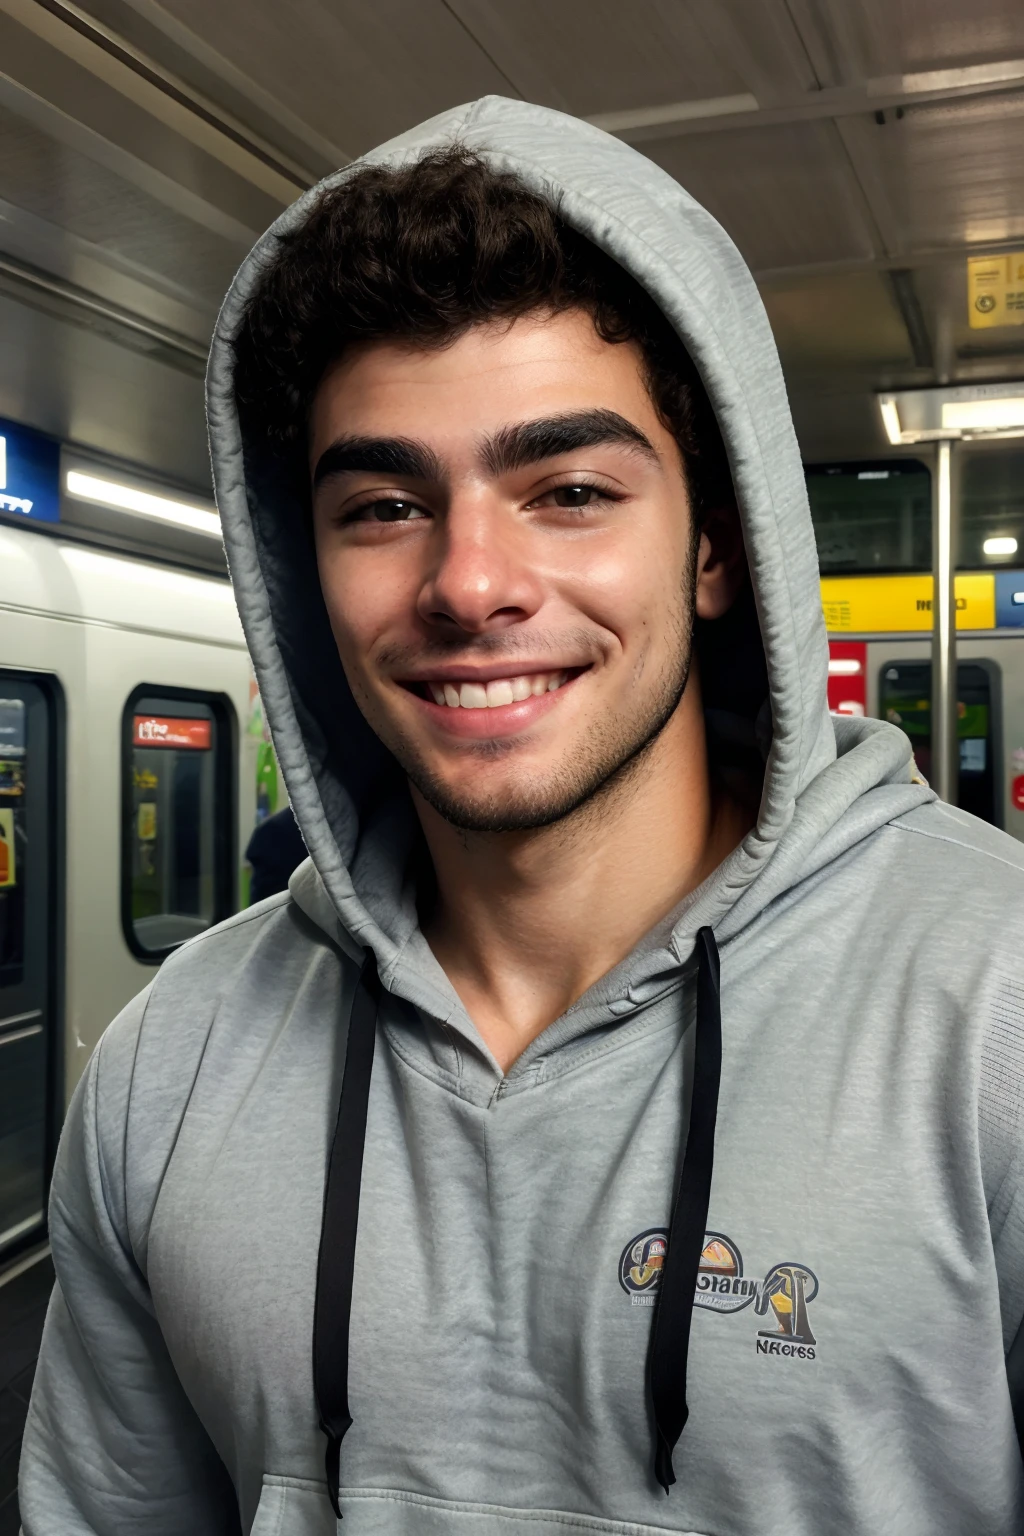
point(863, 1274)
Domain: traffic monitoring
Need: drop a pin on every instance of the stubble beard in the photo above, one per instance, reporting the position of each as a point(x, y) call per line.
point(603, 761)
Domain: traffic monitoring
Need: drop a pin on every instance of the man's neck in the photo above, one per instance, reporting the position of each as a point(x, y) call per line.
point(525, 922)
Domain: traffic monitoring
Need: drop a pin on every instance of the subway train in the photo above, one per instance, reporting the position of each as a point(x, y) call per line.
point(134, 763)
point(130, 753)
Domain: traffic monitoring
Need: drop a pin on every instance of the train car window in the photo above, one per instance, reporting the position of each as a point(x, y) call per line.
point(178, 861)
point(871, 516)
point(991, 508)
point(904, 695)
point(31, 909)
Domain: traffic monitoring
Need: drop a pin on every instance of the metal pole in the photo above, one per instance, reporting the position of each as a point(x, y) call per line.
point(945, 747)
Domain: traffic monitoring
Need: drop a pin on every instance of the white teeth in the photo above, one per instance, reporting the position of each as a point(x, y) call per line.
point(496, 694)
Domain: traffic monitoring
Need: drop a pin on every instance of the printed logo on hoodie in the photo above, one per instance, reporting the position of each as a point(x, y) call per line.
point(784, 1293)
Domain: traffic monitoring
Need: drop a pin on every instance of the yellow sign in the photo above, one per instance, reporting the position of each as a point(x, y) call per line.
point(995, 290)
point(147, 821)
point(871, 605)
point(8, 865)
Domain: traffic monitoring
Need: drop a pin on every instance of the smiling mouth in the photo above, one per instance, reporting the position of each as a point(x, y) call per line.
point(497, 693)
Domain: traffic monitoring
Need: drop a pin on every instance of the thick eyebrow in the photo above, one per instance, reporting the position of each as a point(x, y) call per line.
point(528, 442)
point(400, 456)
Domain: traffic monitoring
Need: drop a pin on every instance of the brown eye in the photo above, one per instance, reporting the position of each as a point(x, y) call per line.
point(574, 495)
point(390, 512)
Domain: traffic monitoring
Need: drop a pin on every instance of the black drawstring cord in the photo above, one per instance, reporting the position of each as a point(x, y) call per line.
point(670, 1334)
point(336, 1260)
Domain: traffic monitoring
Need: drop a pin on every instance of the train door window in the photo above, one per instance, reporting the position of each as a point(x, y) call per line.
point(905, 699)
point(871, 516)
point(991, 507)
point(178, 874)
point(30, 929)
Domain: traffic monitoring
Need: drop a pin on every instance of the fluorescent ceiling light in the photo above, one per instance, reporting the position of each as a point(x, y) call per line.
point(984, 415)
point(872, 474)
point(843, 666)
point(891, 421)
point(128, 498)
point(1000, 546)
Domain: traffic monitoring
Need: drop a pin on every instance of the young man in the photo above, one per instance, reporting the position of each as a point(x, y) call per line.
point(403, 1194)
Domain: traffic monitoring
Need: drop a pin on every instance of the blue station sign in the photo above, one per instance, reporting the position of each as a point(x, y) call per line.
point(29, 473)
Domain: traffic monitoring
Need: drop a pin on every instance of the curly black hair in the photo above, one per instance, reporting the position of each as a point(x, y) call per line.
point(421, 253)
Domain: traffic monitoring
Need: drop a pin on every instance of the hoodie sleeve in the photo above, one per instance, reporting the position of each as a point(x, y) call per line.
point(112, 1444)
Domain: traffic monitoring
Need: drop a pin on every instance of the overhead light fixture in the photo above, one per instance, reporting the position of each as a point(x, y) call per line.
point(963, 411)
point(984, 415)
point(891, 421)
point(1000, 546)
point(128, 498)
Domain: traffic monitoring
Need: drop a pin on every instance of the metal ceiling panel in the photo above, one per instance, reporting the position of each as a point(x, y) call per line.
point(875, 38)
point(784, 194)
point(81, 387)
point(357, 73)
point(840, 321)
point(51, 182)
point(953, 174)
point(600, 55)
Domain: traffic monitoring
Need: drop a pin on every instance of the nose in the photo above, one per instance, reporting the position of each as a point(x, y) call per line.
point(482, 579)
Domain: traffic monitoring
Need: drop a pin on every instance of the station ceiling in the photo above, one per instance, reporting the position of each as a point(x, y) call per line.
point(858, 151)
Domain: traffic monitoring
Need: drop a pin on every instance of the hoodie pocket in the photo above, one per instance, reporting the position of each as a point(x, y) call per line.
point(291, 1506)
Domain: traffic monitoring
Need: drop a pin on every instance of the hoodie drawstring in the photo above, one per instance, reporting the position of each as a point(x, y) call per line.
point(336, 1261)
point(670, 1334)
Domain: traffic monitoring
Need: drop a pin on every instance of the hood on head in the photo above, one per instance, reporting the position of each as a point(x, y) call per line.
point(346, 790)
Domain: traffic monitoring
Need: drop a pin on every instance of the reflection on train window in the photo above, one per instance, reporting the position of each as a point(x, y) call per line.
point(177, 856)
point(871, 516)
point(991, 508)
point(905, 699)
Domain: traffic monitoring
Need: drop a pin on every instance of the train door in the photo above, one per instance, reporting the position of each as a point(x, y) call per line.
point(31, 836)
point(904, 698)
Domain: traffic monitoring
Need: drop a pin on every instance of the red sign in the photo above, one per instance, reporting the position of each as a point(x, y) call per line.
point(161, 731)
point(1017, 793)
point(848, 677)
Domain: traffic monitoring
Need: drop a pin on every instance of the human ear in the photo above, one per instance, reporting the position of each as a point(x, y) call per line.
point(721, 562)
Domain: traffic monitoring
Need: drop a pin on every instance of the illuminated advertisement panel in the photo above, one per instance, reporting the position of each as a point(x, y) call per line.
point(164, 731)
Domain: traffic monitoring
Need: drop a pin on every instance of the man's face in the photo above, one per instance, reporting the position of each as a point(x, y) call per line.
point(507, 555)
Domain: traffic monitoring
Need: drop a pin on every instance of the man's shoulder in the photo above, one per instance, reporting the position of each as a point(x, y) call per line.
point(937, 846)
point(264, 951)
point(213, 1010)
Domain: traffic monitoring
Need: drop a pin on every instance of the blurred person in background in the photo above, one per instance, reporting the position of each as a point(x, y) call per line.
point(274, 852)
point(610, 1109)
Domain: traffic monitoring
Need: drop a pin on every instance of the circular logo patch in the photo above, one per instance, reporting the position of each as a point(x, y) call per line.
point(642, 1260)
